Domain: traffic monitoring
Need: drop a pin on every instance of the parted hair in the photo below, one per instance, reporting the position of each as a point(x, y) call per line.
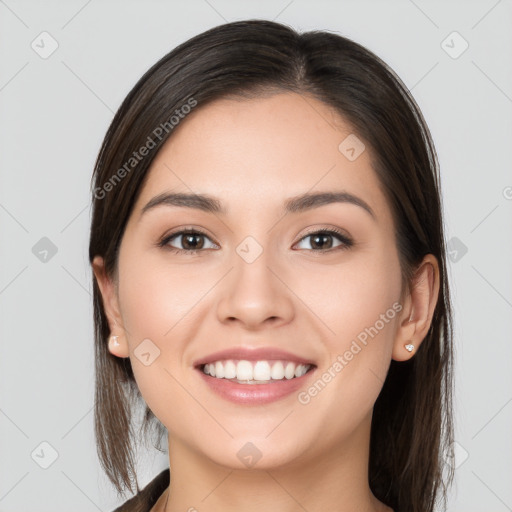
point(412, 425)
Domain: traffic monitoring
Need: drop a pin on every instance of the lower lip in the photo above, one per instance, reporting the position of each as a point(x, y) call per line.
point(255, 393)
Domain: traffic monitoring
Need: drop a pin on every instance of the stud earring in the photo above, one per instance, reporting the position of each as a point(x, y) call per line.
point(409, 347)
point(114, 341)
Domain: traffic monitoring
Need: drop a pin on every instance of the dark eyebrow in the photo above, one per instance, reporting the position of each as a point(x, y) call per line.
point(314, 200)
point(295, 204)
point(197, 201)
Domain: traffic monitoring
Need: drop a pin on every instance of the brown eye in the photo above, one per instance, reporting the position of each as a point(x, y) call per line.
point(324, 240)
point(191, 241)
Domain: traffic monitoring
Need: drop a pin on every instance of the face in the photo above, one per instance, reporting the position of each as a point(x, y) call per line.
point(317, 284)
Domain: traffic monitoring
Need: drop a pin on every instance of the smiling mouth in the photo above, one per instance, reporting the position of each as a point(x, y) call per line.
point(255, 372)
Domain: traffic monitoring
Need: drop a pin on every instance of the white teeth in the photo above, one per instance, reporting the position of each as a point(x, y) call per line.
point(289, 371)
point(300, 370)
point(261, 371)
point(219, 370)
point(277, 372)
point(250, 372)
point(229, 370)
point(243, 370)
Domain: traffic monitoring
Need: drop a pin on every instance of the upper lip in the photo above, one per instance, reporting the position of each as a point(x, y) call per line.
point(252, 354)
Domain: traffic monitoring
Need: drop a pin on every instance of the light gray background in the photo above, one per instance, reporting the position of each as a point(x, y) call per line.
point(54, 113)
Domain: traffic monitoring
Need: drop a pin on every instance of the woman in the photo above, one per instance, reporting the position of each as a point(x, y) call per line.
point(269, 278)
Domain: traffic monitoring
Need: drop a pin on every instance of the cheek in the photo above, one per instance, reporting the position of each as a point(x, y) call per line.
point(157, 308)
point(355, 297)
point(360, 306)
point(158, 300)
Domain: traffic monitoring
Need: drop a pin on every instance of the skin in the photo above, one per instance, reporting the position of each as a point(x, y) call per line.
point(253, 155)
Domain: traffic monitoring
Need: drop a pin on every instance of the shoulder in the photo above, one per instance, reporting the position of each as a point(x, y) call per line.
point(148, 496)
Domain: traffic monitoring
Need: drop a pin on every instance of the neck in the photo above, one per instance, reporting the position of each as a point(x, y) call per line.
point(336, 480)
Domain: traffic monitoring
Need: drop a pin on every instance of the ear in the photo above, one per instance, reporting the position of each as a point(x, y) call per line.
point(419, 306)
point(118, 344)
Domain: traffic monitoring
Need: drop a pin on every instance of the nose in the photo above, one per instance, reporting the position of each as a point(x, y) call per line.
point(255, 295)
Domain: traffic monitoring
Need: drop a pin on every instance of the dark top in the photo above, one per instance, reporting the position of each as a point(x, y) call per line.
point(147, 497)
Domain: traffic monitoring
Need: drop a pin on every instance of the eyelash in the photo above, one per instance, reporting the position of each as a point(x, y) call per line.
point(346, 241)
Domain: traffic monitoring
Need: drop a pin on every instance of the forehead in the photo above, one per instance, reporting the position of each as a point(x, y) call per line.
point(258, 151)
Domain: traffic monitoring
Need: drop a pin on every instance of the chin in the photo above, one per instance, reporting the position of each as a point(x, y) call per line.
point(253, 453)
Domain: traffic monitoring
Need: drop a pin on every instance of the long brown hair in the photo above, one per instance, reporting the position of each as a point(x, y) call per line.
point(412, 426)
